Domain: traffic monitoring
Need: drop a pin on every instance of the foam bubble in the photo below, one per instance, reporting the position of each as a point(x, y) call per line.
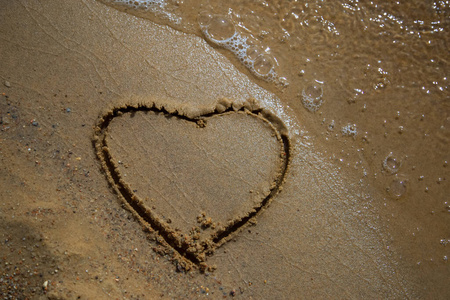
point(220, 28)
point(253, 52)
point(397, 188)
point(263, 64)
point(391, 164)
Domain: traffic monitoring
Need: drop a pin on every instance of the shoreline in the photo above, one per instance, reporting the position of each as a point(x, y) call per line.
point(323, 235)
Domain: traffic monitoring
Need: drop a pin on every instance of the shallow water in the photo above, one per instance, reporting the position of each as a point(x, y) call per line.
point(344, 60)
point(368, 80)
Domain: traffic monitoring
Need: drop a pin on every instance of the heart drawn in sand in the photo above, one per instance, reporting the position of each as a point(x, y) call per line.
point(196, 181)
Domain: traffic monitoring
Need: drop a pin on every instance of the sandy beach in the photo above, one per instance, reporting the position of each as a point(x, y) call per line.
point(142, 162)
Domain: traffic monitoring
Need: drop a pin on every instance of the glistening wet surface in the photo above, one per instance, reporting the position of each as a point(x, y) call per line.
point(369, 79)
point(361, 87)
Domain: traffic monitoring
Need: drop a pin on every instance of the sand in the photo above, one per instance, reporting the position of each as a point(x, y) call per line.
point(197, 180)
point(68, 232)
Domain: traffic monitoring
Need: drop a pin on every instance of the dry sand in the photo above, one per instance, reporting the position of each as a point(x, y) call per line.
point(65, 227)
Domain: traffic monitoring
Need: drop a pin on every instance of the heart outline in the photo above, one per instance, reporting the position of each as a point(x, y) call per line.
point(165, 234)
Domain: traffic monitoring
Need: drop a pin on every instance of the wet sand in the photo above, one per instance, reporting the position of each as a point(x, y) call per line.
point(67, 233)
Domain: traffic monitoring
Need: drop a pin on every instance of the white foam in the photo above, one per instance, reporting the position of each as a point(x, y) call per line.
point(155, 6)
point(139, 4)
point(349, 130)
point(238, 45)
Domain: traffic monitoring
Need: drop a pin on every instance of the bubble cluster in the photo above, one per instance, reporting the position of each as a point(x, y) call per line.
point(349, 130)
point(141, 4)
point(312, 96)
point(221, 31)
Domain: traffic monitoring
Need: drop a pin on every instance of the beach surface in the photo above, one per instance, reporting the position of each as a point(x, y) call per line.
point(204, 182)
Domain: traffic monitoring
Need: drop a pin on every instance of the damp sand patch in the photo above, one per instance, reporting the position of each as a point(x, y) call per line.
point(194, 179)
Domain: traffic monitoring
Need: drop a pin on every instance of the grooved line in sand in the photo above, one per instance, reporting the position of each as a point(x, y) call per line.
point(168, 236)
